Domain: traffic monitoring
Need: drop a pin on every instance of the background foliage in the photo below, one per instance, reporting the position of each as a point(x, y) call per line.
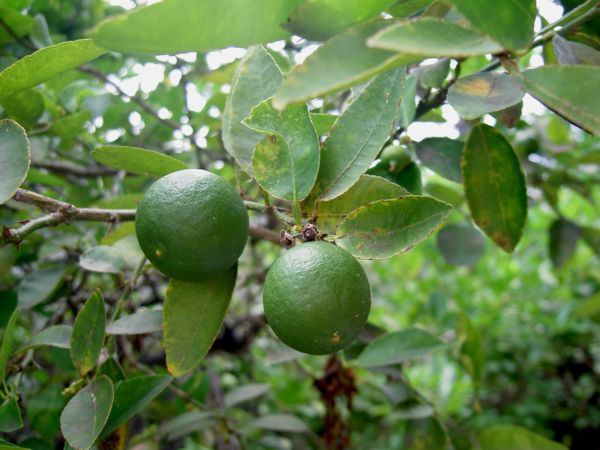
point(476, 340)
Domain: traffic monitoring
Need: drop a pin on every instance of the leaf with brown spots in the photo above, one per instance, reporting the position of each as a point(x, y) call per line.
point(494, 186)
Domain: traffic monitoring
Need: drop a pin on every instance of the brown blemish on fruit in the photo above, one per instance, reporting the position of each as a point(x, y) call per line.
point(336, 338)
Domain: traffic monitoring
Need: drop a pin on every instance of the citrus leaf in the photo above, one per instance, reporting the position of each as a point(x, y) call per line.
point(433, 37)
point(86, 413)
point(131, 396)
point(562, 241)
point(482, 93)
point(279, 422)
point(433, 75)
point(70, 126)
point(56, 336)
point(103, 259)
point(141, 322)
point(255, 80)
point(193, 314)
point(88, 334)
point(341, 62)
point(495, 186)
point(567, 90)
point(359, 134)
point(38, 286)
point(14, 158)
point(25, 107)
point(367, 189)
point(399, 346)
point(46, 63)
point(442, 155)
point(502, 437)
point(195, 26)
point(7, 343)
point(187, 423)
point(242, 394)
point(10, 416)
point(509, 22)
point(461, 244)
point(285, 163)
point(323, 122)
point(568, 52)
point(386, 228)
point(408, 105)
point(321, 19)
point(137, 160)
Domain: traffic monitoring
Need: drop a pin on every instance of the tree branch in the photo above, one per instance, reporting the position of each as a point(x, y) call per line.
point(74, 169)
point(64, 213)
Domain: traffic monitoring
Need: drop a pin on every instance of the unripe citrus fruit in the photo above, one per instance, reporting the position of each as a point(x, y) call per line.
point(191, 225)
point(396, 165)
point(317, 298)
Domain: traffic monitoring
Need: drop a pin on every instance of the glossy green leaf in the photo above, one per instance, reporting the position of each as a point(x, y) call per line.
point(195, 26)
point(359, 134)
point(568, 52)
point(25, 107)
point(479, 94)
point(509, 22)
point(399, 346)
point(323, 122)
point(46, 63)
point(88, 334)
point(70, 126)
point(367, 189)
point(321, 19)
point(279, 422)
point(85, 415)
point(442, 155)
point(386, 228)
point(285, 163)
point(10, 416)
point(341, 62)
point(193, 314)
point(503, 437)
point(137, 160)
point(461, 244)
point(255, 80)
point(408, 105)
point(141, 322)
point(433, 75)
point(6, 346)
point(103, 259)
point(38, 286)
point(433, 37)
point(245, 393)
point(562, 241)
point(14, 158)
point(131, 396)
point(567, 90)
point(55, 336)
point(18, 23)
point(405, 8)
point(495, 186)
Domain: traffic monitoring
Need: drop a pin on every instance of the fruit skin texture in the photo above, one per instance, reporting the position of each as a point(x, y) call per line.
point(317, 298)
point(192, 224)
point(397, 166)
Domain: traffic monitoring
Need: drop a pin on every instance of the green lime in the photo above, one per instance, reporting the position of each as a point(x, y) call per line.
point(397, 166)
point(191, 225)
point(317, 298)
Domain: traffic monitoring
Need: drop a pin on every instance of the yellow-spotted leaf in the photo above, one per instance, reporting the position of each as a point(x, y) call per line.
point(386, 228)
point(494, 186)
point(193, 314)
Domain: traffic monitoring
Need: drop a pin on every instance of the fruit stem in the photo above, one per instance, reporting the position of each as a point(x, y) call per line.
point(297, 215)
